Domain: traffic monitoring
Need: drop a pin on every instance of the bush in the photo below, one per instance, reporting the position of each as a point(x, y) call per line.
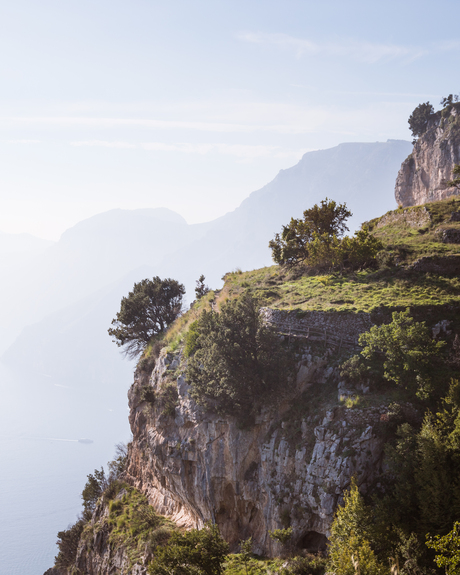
point(67, 543)
point(239, 363)
point(403, 351)
point(195, 552)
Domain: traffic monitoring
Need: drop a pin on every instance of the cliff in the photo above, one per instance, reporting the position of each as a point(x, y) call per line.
point(290, 468)
point(422, 176)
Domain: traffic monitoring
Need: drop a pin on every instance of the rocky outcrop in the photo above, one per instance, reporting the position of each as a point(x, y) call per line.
point(289, 468)
point(423, 174)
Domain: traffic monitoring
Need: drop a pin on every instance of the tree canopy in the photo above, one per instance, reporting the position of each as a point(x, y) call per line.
point(401, 351)
point(317, 240)
point(236, 362)
point(418, 120)
point(146, 312)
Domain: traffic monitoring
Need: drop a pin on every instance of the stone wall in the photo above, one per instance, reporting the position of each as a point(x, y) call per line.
point(332, 327)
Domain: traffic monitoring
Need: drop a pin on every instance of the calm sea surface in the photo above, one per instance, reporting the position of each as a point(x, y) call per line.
point(43, 467)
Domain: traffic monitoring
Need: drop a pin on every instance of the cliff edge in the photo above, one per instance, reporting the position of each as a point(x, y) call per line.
point(424, 172)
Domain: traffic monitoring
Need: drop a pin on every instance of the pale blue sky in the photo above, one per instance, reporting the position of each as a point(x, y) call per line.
point(194, 104)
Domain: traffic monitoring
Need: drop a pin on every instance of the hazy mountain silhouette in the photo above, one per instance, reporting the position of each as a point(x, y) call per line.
point(81, 279)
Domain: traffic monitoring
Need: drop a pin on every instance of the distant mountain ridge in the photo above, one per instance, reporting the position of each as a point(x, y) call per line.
point(99, 252)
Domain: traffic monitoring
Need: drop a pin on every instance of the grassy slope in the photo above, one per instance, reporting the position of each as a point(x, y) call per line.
point(393, 286)
point(390, 286)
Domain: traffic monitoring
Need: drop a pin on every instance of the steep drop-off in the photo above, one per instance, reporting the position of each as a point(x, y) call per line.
point(290, 468)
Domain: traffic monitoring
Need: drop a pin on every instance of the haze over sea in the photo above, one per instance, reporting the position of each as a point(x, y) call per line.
point(44, 467)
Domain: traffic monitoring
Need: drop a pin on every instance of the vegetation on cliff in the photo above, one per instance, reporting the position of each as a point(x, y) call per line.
point(423, 113)
point(146, 312)
point(237, 363)
point(317, 241)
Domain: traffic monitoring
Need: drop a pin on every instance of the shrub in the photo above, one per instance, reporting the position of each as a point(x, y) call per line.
point(403, 351)
point(239, 363)
point(195, 552)
point(67, 543)
point(447, 550)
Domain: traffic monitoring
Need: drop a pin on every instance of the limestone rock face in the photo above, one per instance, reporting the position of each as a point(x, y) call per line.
point(196, 466)
point(422, 176)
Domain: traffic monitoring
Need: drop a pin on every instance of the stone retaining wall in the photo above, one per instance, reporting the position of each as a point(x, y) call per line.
point(344, 327)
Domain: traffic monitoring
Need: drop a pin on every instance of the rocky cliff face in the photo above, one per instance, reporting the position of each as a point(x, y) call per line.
point(289, 468)
point(422, 176)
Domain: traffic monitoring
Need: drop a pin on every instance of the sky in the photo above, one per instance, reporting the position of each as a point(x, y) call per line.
point(192, 105)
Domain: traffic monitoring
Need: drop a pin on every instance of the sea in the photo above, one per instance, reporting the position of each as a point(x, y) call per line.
point(43, 465)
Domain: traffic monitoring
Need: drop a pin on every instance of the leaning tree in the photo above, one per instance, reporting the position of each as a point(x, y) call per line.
point(146, 312)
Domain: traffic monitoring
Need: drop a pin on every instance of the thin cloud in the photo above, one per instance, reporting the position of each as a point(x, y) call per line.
point(24, 141)
point(363, 51)
point(102, 144)
point(294, 128)
point(247, 152)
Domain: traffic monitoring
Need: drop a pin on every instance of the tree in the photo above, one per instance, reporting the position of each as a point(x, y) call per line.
point(147, 311)
point(92, 491)
point(246, 552)
point(237, 362)
point(67, 543)
point(455, 181)
point(418, 120)
point(403, 350)
point(201, 289)
point(352, 532)
point(447, 550)
point(320, 223)
point(195, 552)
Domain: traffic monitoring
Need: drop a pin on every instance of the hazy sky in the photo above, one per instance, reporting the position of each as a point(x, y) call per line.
point(193, 104)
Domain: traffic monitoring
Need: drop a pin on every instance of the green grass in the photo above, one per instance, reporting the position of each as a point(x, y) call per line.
point(135, 525)
point(392, 286)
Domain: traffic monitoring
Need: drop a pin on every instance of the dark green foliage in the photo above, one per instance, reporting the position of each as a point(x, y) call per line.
point(118, 463)
point(402, 352)
point(191, 339)
point(246, 552)
point(418, 120)
point(447, 101)
point(146, 312)
point(68, 545)
point(424, 471)
point(317, 242)
point(283, 536)
point(92, 491)
point(98, 482)
point(201, 289)
point(455, 181)
point(239, 363)
point(147, 393)
point(195, 552)
point(352, 533)
point(447, 550)
point(168, 399)
point(324, 223)
point(308, 565)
